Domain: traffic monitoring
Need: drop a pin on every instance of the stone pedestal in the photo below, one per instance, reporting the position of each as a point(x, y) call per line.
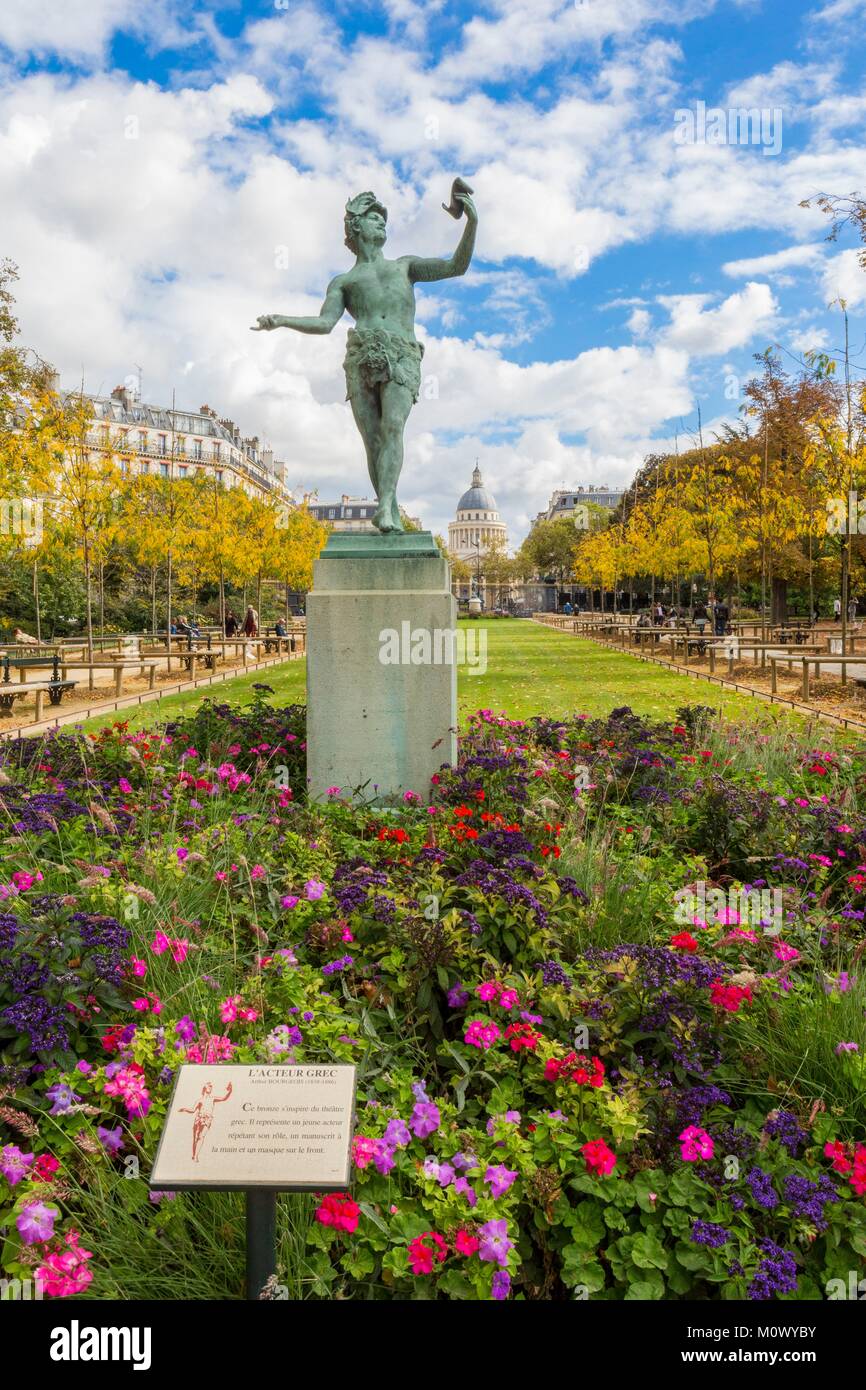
point(381, 673)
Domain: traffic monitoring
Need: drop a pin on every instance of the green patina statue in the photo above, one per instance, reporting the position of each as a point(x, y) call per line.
point(383, 357)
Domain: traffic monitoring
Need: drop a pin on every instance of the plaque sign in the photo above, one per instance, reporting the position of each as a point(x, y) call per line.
point(272, 1125)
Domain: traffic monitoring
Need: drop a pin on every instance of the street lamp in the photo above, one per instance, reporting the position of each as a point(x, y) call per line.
point(476, 545)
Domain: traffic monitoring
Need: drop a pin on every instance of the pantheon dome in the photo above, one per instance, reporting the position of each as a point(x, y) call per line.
point(478, 524)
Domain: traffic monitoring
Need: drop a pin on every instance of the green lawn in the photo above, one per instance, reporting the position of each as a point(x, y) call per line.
point(530, 670)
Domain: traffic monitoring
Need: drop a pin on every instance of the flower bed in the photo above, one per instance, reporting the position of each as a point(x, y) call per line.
point(579, 1074)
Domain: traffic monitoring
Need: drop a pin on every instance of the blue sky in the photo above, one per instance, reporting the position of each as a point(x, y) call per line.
point(170, 171)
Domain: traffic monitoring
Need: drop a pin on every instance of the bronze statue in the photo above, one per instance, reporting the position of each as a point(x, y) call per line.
point(383, 357)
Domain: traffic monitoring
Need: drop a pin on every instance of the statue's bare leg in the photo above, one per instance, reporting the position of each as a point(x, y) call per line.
point(396, 403)
point(365, 408)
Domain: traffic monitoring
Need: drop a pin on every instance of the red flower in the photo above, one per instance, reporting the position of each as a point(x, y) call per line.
point(522, 1035)
point(422, 1253)
point(338, 1211)
point(729, 997)
point(583, 1071)
point(111, 1037)
point(838, 1154)
point(599, 1158)
point(684, 941)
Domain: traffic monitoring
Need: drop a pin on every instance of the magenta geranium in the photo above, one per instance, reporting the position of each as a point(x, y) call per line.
point(695, 1144)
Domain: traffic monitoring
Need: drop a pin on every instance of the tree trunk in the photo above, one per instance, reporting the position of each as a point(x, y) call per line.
point(89, 611)
point(102, 598)
point(36, 600)
point(779, 600)
point(153, 602)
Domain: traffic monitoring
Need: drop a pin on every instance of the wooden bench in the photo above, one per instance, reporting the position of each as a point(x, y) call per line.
point(56, 687)
point(844, 662)
point(118, 667)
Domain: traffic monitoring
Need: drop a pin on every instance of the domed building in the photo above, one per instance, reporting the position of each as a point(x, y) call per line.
point(476, 531)
point(478, 525)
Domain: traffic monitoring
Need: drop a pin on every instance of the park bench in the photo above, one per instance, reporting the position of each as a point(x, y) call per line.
point(846, 664)
point(118, 667)
point(56, 687)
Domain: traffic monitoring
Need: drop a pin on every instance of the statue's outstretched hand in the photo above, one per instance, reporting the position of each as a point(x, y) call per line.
point(264, 322)
point(468, 207)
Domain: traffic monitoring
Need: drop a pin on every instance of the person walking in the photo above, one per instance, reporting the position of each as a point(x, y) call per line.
point(231, 624)
point(720, 618)
point(852, 609)
point(700, 616)
point(251, 622)
point(837, 609)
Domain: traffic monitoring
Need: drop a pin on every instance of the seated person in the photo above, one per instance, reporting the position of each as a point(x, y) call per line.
point(280, 628)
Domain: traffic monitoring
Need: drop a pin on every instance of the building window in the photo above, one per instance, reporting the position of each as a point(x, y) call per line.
point(196, 449)
point(217, 449)
point(219, 475)
point(162, 443)
point(163, 468)
point(142, 439)
point(182, 471)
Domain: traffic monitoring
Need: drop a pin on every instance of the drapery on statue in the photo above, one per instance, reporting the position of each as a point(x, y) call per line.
point(383, 357)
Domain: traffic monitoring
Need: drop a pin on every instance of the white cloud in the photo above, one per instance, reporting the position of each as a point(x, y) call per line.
point(776, 262)
point(845, 278)
point(707, 332)
point(809, 339)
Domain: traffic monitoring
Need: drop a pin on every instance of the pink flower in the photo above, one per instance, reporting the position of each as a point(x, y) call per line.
point(289, 901)
point(509, 999)
point(179, 949)
point(481, 1033)
point(124, 786)
point(159, 943)
point(488, 990)
point(314, 889)
point(139, 968)
point(65, 1273)
point(129, 1084)
point(695, 1144)
point(785, 952)
point(466, 1244)
point(229, 1008)
point(258, 871)
point(363, 1150)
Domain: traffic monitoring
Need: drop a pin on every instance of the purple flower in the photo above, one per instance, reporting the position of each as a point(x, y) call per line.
point(425, 1119)
point(397, 1134)
point(708, 1233)
point(501, 1284)
point(419, 1091)
point(465, 1189)
point(110, 1139)
point(314, 889)
point(464, 1162)
point(495, 1244)
point(289, 901)
point(511, 1117)
point(458, 997)
point(14, 1163)
point(35, 1222)
point(500, 1178)
point(445, 1175)
point(383, 1158)
point(185, 1029)
point(62, 1096)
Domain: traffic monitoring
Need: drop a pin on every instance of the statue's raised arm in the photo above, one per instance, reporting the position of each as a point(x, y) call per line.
point(445, 268)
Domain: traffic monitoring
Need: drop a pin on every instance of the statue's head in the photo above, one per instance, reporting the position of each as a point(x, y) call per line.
point(364, 207)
